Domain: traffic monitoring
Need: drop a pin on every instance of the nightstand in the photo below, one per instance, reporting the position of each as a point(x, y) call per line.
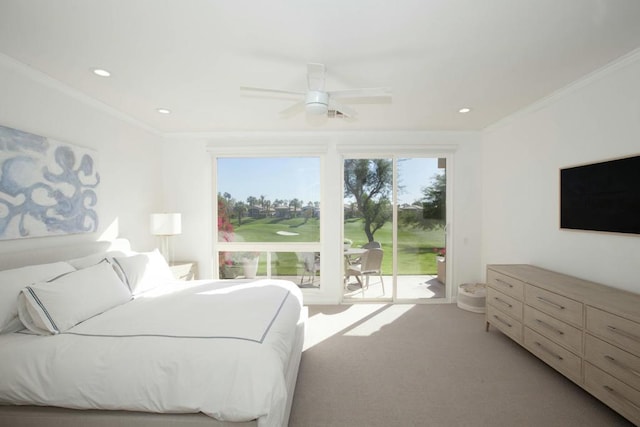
point(184, 270)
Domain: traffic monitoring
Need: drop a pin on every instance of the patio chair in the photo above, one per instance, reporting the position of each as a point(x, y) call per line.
point(370, 245)
point(310, 266)
point(370, 265)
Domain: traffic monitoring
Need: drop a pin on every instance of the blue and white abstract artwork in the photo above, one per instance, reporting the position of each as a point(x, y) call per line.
point(46, 187)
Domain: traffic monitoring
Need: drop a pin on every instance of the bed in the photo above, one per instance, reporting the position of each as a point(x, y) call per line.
point(197, 353)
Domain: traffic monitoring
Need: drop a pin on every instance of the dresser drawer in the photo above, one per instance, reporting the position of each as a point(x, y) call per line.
point(614, 329)
point(622, 365)
point(554, 329)
point(505, 323)
point(505, 303)
point(560, 307)
point(613, 392)
point(505, 284)
point(555, 356)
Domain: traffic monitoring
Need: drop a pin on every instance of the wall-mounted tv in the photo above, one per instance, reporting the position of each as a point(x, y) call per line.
point(601, 196)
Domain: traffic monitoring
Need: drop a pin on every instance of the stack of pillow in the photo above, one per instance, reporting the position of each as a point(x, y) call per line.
point(51, 298)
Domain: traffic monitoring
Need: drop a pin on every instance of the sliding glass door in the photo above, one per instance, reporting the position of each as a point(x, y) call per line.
point(394, 228)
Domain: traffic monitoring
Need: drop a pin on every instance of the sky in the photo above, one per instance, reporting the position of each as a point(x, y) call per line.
point(299, 177)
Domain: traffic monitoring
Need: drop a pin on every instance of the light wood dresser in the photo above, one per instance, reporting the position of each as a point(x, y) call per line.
point(588, 332)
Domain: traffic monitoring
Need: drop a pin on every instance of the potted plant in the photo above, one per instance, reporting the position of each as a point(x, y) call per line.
point(230, 269)
point(347, 244)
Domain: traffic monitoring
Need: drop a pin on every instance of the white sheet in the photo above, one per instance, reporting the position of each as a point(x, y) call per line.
point(211, 347)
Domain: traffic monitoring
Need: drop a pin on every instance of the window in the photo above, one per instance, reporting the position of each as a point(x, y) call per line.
point(268, 218)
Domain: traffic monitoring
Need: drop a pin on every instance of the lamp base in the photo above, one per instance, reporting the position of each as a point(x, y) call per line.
point(166, 249)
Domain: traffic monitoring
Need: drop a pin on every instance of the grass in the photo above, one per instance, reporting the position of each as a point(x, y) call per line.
point(265, 230)
point(415, 246)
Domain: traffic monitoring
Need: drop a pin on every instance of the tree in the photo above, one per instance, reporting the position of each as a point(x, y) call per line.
point(295, 204)
point(240, 208)
point(267, 207)
point(433, 205)
point(369, 182)
point(229, 202)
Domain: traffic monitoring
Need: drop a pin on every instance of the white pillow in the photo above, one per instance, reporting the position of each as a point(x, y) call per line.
point(13, 281)
point(58, 305)
point(93, 259)
point(145, 271)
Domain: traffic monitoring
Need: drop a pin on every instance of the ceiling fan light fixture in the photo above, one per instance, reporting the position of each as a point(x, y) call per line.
point(317, 103)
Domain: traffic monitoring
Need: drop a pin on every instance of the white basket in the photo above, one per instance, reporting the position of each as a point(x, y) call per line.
point(472, 297)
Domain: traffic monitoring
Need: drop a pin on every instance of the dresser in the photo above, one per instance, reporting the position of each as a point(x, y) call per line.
point(587, 331)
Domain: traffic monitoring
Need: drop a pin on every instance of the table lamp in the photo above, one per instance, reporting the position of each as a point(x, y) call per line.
point(166, 225)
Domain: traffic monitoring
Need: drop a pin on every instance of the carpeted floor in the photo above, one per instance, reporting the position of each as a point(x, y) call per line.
point(428, 365)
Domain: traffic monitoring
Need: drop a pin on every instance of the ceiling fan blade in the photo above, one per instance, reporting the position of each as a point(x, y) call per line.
point(361, 93)
point(260, 89)
point(315, 76)
point(296, 108)
point(346, 111)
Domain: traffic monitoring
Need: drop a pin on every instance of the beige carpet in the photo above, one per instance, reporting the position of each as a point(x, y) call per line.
point(428, 365)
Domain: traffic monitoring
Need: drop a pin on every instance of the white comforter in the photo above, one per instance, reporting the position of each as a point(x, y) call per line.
point(214, 347)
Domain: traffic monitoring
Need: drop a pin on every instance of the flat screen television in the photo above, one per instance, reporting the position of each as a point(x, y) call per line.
point(601, 196)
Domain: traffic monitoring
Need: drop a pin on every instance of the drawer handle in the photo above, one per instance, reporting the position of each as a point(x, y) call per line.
point(623, 333)
point(546, 350)
point(502, 321)
point(504, 283)
point(550, 327)
point(500, 300)
point(551, 303)
point(621, 365)
point(617, 394)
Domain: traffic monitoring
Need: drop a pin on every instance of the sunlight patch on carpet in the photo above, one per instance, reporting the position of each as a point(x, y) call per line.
point(379, 320)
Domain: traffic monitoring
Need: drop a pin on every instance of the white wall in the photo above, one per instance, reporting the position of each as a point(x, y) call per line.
point(595, 119)
point(129, 157)
point(189, 189)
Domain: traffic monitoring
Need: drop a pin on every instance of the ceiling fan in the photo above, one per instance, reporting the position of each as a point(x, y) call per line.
point(318, 101)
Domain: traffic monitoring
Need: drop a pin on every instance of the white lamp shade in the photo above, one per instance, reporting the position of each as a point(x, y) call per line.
point(166, 224)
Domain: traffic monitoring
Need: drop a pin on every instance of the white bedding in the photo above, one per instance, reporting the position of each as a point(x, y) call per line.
point(216, 347)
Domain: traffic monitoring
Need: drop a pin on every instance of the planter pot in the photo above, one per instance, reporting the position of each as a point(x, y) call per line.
point(441, 264)
point(347, 246)
point(250, 268)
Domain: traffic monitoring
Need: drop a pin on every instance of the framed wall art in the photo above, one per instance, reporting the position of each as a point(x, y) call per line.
point(47, 187)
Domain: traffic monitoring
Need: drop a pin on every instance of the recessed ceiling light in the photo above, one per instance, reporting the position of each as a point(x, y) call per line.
point(464, 110)
point(100, 72)
point(163, 111)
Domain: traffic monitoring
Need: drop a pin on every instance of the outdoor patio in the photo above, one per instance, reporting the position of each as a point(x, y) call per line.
point(409, 287)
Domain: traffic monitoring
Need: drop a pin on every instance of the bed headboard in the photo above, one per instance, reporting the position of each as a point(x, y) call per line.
point(60, 253)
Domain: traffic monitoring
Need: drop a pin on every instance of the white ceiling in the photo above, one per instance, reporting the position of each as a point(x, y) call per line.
point(191, 56)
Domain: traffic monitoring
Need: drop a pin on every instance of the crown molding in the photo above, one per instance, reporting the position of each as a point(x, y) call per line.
point(600, 73)
point(57, 85)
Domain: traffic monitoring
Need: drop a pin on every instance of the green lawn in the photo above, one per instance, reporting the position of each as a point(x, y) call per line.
point(415, 246)
point(266, 230)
